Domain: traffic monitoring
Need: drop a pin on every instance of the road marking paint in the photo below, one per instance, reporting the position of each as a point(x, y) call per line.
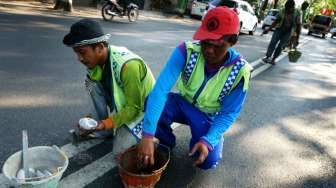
point(89, 173)
point(260, 70)
point(256, 62)
point(71, 150)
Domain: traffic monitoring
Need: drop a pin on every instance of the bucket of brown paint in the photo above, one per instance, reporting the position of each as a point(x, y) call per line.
point(135, 176)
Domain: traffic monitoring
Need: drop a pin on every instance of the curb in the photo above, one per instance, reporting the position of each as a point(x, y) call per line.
point(80, 11)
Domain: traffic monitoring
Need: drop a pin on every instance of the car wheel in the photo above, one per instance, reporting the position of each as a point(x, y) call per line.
point(253, 30)
point(309, 32)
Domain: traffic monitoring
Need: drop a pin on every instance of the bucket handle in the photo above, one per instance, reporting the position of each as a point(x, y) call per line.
point(63, 154)
point(57, 148)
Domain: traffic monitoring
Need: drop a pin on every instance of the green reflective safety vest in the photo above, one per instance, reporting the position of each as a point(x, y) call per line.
point(217, 87)
point(118, 57)
point(282, 18)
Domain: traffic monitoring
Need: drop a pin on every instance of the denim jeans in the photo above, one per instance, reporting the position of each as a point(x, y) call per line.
point(123, 138)
point(278, 41)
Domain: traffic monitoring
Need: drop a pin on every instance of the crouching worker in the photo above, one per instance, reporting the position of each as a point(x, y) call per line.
point(212, 80)
point(118, 81)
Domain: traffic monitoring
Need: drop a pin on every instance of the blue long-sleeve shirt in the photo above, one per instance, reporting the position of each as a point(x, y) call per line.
point(230, 106)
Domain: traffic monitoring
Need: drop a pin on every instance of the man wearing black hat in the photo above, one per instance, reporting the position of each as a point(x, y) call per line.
point(117, 79)
point(212, 80)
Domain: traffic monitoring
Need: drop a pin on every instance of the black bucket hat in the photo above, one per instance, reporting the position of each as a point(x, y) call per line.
point(85, 32)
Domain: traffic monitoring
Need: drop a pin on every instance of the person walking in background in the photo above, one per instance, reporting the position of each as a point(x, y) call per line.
point(287, 22)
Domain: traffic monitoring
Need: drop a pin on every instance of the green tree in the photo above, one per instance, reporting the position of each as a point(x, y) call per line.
point(316, 6)
point(275, 5)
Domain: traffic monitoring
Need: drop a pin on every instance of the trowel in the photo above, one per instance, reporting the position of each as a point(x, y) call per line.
point(23, 173)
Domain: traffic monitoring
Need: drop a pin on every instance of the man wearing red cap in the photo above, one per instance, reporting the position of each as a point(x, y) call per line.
point(212, 79)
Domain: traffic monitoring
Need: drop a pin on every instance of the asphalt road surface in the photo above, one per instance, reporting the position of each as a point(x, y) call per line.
point(285, 135)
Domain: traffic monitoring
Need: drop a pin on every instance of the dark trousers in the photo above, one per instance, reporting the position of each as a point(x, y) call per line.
point(278, 41)
point(177, 109)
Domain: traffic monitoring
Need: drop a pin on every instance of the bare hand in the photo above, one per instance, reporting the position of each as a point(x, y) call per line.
point(146, 151)
point(203, 152)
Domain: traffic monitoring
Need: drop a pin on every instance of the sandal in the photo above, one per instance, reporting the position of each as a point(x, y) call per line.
point(266, 60)
point(272, 62)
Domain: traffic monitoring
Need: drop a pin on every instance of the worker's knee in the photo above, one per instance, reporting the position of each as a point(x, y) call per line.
point(211, 161)
point(209, 164)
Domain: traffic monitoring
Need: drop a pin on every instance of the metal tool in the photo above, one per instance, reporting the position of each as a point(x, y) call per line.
point(25, 153)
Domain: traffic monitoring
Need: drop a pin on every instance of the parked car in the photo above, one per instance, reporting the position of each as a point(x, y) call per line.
point(320, 25)
point(247, 17)
point(333, 32)
point(270, 18)
point(198, 7)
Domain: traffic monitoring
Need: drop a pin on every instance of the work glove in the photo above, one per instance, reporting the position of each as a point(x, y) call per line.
point(105, 124)
point(102, 125)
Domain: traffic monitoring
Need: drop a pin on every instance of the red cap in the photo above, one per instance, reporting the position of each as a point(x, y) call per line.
point(218, 22)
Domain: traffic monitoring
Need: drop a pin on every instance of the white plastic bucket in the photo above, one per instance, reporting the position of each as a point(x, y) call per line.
point(51, 158)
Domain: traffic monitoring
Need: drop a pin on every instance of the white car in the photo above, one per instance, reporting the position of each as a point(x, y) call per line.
point(198, 7)
point(270, 18)
point(247, 17)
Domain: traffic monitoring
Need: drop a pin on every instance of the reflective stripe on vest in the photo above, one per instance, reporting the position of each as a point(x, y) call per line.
point(118, 57)
point(189, 67)
point(231, 79)
point(115, 66)
point(208, 97)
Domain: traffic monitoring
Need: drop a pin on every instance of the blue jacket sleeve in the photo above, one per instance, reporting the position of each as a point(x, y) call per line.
point(158, 96)
point(230, 109)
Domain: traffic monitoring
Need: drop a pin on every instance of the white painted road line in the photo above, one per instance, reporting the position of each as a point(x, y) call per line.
point(256, 62)
point(70, 150)
point(89, 173)
point(260, 70)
